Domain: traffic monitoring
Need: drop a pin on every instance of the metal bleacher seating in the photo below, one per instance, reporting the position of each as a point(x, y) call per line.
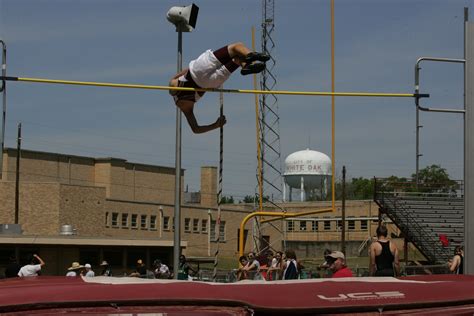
point(425, 213)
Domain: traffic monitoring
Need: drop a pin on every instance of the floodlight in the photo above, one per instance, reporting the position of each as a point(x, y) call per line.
point(184, 18)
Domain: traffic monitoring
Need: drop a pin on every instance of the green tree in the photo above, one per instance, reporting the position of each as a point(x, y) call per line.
point(435, 179)
point(255, 198)
point(248, 199)
point(362, 188)
point(227, 200)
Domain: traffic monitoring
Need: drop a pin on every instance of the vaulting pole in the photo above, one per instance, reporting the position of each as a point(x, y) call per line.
point(219, 191)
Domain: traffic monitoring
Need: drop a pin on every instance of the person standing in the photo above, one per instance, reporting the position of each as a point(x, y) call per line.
point(338, 266)
point(33, 268)
point(290, 267)
point(456, 265)
point(184, 268)
point(253, 267)
point(384, 260)
point(275, 267)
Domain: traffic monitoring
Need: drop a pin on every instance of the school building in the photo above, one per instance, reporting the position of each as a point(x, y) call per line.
point(74, 208)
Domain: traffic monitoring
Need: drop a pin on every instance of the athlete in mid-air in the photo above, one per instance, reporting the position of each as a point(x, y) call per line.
point(210, 70)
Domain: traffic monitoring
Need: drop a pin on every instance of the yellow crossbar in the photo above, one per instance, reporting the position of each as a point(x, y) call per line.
point(152, 87)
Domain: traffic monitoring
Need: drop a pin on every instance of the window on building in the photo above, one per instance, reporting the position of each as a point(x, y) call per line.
point(195, 225)
point(327, 225)
point(339, 224)
point(115, 219)
point(363, 224)
point(187, 225)
point(166, 223)
point(204, 226)
point(222, 231)
point(290, 226)
point(213, 231)
point(124, 220)
point(143, 221)
point(302, 225)
point(314, 225)
point(107, 219)
point(173, 224)
point(153, 222)
point(351, 224)
point(134, 223)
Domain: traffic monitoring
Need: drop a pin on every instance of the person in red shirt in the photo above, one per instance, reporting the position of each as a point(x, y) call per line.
point(337, 264)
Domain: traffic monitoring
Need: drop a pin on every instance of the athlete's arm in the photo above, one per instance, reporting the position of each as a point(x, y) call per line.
point(187, 107)
point(396, 261)
point(372, 265)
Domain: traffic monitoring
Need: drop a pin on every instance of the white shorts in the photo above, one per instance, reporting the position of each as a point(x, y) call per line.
point(207, 71)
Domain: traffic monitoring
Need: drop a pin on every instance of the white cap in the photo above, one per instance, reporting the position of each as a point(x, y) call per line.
point(336, 255)
point(88, 266)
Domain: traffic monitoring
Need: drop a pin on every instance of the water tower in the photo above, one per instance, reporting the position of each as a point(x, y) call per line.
point(309, 171)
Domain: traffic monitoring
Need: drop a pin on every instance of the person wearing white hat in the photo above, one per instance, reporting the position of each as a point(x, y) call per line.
point(337, 264)
point(89, 271)
point(75, 270)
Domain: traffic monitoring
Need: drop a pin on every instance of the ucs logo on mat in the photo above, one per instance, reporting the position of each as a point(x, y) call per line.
point(363, 296)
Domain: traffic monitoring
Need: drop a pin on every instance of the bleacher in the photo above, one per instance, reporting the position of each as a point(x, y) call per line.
point(424, 215)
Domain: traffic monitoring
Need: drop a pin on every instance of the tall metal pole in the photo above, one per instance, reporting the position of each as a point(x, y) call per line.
point(4, 99)
point(17, 181)
point(177, 199)
point(469, 151)
point(343, 231)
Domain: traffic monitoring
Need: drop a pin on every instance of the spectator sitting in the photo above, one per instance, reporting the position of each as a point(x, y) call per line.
point(324, 267)
point(337, 264)
point(33, 268)
point(106, 271)
point(89, 272)
point(161, 270)
point(75, 270)
point(140, 271)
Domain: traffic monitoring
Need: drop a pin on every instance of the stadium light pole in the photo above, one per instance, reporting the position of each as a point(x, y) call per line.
point(184, 18)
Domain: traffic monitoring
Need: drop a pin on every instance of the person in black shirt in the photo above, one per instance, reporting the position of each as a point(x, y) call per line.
point(456, 265)
point(384, 259)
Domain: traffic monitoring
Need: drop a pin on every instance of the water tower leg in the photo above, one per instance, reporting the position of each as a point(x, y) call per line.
point(302, 189)
point(284, 192)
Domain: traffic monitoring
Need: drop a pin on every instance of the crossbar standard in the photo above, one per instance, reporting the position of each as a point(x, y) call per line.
point(152, 87)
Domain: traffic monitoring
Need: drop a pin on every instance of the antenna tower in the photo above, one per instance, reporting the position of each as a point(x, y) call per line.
point(269, 119)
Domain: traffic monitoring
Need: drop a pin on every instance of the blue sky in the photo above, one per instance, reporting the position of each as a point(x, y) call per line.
point(377, 44)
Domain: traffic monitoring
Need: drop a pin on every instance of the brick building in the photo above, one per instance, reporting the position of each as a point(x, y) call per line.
point(74, 208)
